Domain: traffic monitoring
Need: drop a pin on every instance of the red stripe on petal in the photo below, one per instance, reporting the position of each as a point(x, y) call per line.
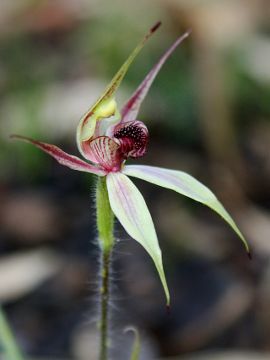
point(131, 108)
point(106, 153)
point(71, 161)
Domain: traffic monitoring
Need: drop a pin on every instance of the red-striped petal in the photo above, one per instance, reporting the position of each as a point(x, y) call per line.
point(71, 161)
point(130, 110)
point(106, 153)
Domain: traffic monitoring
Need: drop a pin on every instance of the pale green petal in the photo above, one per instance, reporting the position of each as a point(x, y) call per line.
point(129, 207)
point(184, 184)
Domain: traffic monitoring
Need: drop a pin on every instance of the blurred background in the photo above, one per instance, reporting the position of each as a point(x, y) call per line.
point(208, 113)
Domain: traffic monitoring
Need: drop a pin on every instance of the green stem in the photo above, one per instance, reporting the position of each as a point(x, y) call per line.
point(104, 315)
point(105, 224)
point(7, 340)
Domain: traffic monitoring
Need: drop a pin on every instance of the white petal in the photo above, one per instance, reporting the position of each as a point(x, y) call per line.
point(131, 210)
point(184, 184)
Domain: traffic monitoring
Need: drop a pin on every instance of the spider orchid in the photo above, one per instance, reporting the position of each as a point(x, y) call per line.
point(107, 137)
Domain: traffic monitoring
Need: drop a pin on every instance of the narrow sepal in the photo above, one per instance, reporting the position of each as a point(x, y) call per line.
point(106, 106)
point(184, 184)
point(130, 110)
point(71, 161)
point(129, 207)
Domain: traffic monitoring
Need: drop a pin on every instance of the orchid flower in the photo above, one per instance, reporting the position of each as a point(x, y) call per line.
point(107, 137)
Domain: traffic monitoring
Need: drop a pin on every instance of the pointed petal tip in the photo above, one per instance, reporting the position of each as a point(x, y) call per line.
point(14, 136)
point(155, 27)
point(21, 137)
point(188, 32)
point(132, 106)
point(246, 245)
point(183, 37)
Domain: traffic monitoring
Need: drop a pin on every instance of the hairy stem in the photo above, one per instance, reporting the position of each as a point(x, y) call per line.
point(104, 315)
point(105, 222)
point(7, 340)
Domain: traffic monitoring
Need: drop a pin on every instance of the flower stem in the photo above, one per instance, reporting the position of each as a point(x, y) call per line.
point(104, 316)
point(8, 342)
point(105, 224)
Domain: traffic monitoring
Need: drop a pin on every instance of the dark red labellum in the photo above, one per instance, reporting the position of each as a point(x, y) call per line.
point(133, 138)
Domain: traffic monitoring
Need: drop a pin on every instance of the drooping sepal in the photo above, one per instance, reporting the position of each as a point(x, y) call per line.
point(184, 184)
point(106, 106)
point(71, 161)
point(129, 207)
